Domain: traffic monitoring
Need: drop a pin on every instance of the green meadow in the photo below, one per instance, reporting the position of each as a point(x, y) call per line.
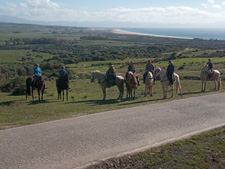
point(83, 50)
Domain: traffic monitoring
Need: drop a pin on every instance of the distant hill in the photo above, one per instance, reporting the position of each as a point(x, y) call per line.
point(12, 19)
point(106, 24)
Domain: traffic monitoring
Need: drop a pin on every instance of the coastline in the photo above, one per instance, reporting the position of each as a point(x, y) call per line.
point(118, 31)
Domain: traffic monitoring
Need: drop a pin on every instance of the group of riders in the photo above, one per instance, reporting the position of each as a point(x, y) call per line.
point(111, 73)
point(37, 75)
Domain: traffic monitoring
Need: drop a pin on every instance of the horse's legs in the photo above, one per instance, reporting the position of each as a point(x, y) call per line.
point(104, 92)
point(215, 81)
point(172, 90)
point(204, 85)
point(146, 90)
point(32, 93)
point(63, 95)
point(67, 95)
point(42, 93)
point(39, 95)
point(150, 91)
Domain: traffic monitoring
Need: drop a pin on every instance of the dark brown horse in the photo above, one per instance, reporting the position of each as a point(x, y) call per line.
point(61, 85)
point(39, 85)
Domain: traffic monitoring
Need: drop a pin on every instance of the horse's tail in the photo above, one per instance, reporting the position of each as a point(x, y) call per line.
point(178, 84)
point(28, 81)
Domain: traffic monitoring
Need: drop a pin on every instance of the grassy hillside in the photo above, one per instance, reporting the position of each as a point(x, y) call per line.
point(83, 50)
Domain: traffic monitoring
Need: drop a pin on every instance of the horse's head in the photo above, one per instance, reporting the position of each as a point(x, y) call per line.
point(157, 70)
point(92, 76)
point(205, 68)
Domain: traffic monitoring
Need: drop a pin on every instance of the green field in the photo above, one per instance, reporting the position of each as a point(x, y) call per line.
point(83, 50)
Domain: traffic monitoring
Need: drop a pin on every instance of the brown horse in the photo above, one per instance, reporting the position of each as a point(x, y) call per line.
point(61, 85)
point(39, 85)
point(131, 84)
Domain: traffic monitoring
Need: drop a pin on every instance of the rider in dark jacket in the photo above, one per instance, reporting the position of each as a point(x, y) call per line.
point(170, 71)
point(131, 68)
point(111, 75)
point(210, 66)
point(148, 68)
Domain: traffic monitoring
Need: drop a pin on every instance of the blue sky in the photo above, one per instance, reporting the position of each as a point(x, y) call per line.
point(144, 12)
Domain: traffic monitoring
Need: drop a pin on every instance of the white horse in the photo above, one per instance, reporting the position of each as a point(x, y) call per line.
point(215, 77)
point(165, 82)
point(101, 80)
point(149, 82)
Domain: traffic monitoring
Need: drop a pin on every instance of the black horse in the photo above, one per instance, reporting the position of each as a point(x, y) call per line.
point(62, 84)
point(39, 84)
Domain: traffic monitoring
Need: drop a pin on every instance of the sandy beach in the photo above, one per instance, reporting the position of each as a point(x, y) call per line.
point(118, 31)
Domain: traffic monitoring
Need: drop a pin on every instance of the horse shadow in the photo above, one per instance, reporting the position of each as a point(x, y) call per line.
point(140, 101)
point(34, 102)
point(7, 103)
point(97, 102)
point(196, 92)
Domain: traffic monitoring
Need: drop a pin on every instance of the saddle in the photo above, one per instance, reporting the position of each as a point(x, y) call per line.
point(34, 82)
point(211, 75)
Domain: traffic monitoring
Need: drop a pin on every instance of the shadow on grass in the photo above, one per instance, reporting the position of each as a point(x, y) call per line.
point(37, 102)
point(8, 103)
point(98, 102)
point(196, 92)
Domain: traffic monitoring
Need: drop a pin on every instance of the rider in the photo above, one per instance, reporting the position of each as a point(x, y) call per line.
point(210, 66)
point(62, 73)
point(36, 74)
point(111, 75)
point(131, 68)
point(149, 68)
point(170, 71)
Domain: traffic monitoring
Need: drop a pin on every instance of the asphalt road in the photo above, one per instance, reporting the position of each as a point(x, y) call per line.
point(77, 142)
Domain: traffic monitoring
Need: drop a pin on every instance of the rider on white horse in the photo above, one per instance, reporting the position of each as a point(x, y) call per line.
point(210, 66)
point(170, 71)
point(148, 68)
point(111, 76)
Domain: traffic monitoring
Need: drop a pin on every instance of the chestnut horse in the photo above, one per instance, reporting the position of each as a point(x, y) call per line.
point(39, 85)
point(61, 85)
point(131, 84)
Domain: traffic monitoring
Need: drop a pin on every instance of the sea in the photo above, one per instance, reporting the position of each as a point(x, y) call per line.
point(202, 33)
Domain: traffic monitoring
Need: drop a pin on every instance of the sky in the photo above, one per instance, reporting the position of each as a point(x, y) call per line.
point(139, 12)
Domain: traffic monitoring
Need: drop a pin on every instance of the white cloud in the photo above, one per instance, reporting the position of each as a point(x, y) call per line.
point(46, 10)
point(211, 1)
point(204, 5)
point(216, 6)
point(223, 3)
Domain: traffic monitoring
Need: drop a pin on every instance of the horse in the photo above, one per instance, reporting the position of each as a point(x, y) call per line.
point(215, 76)
point(61, 85)
point(149, 82)
point(165, 82)
point(39, 84)
point(101, 80)
point(131, 83)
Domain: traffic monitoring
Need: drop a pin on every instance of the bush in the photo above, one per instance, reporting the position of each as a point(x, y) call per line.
point(21, 90)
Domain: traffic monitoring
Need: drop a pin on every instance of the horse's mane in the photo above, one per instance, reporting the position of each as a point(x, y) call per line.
point(133, 78)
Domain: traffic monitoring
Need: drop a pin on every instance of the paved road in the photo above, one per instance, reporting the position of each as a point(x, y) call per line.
point(75, 142)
